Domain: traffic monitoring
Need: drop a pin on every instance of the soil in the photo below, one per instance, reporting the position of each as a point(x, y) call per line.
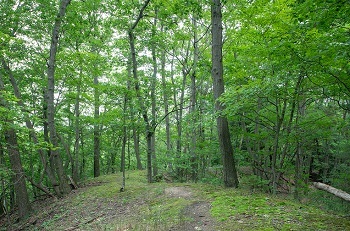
point(196, 216)
point(198, 212)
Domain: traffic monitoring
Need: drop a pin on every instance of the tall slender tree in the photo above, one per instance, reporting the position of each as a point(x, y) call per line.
point(143, 110)
point(97, 140)
point(54, 152)
point(230, 172)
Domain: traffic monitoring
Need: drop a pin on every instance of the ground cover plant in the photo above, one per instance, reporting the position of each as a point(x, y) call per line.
point(98, 204)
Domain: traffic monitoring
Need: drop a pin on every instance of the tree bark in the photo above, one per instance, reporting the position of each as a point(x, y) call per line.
point(337, 192)
point(153, 94)
point(55, 155)
point(122, 158)
point(96, 129)
point(149, 128)
point(179, 106)
point(75, 163)
point(32, 133)
point(229, 165)
point(135, 133)
point(149, 131)
point(166, 108)
point(22, 198)
point(193, 102)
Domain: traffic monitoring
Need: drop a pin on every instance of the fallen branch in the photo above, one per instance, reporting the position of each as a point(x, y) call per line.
point(337, 192)
point(41, 187)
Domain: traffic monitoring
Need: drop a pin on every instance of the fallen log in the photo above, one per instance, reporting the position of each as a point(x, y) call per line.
point(337, 192)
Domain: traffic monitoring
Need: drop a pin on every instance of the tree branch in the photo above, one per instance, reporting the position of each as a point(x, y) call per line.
point(140, 15)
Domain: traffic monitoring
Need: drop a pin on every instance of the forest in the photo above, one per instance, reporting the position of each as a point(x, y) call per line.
point(187, 90)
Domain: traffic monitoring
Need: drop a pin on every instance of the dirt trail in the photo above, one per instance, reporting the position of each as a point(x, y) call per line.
point(197, 214)
point(108, 213)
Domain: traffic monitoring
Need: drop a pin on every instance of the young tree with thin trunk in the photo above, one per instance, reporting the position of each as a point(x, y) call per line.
point(143, 110)
point(153, 91)
point(96, 129)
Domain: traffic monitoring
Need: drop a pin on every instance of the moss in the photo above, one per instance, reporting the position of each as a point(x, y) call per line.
point(270, 213)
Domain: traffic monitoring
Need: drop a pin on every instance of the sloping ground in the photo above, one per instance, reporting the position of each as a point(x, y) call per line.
point(98, 205)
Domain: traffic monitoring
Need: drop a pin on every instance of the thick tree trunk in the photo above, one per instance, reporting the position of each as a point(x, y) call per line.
point(55, 155)
point(32, 133)
point(136, 139)
point(22, 198)
point(229, 167)
point(50, 164)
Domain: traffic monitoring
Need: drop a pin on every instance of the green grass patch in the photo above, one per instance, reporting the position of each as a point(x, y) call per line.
point(101, 206)
point(241, 211)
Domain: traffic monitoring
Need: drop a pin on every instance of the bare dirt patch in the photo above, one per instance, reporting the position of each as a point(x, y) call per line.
point(196, 216)
point(180, 192)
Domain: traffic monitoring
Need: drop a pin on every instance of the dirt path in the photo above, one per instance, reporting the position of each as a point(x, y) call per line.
point(82, 210)
point(197, 215)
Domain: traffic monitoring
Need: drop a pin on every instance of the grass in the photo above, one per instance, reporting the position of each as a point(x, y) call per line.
point(241, 209)
point(100, 206)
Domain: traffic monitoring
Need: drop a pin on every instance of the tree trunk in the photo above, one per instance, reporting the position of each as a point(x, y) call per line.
point(75, 163)
point(83, 160)
point(166, 108)
point(179, 107)
point(337, 192)
point(153, 95)
point(136, 139)
point(55, 155)
point(149, 132)
point(22, 198)
point(122, 158)
point(49, 164)
point(149, 128)
point(96, 129)
point(300, 156)
point(229, 166)
point(32, 133)
point(135, 133)
point(193, 102)
point(2, 183)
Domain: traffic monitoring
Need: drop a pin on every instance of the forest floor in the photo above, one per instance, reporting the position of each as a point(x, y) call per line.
point(99, 205)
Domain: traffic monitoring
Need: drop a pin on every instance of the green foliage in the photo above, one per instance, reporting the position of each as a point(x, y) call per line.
point(287, 87)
